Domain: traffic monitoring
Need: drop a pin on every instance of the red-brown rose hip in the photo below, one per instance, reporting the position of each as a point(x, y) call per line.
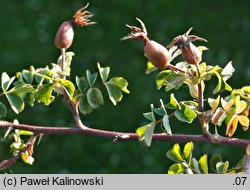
point(64, 36)
point(190, 53)
point(155, 52)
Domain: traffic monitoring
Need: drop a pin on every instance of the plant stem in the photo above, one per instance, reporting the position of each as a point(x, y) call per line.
point(174, 68)
point(205, 125)
point(63, 60)
point(7, 163)
point(123, 136)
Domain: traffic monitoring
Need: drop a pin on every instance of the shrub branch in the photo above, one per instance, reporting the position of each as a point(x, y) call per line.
point(123, 136)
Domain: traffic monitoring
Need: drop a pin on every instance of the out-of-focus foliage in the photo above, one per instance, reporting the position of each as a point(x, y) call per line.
point(27, 38)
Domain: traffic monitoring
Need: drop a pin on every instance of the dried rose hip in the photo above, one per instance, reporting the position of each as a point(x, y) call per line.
point(190, 52)
point(65, 34)
point(155, 52)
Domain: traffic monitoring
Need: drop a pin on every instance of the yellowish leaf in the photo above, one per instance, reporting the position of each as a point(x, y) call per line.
point(245, 128)
point(213, 103)
point(240, 106)
point(244, 121)
point(232, 126)
point(226, 105)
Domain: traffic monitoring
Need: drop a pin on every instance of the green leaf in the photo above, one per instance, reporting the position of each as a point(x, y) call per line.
point(222, 85)
point(145, 133)
point(25, 133)
point(119, 82)
point(188, 150)
point(150, 68)
point(94, 97)
point(186, 114)
point(29, 99)
point(214, 160)
point(16, 102)
point(115, 94)
point(228, 71)
point(148, 116)
point(193, 90)
point(176, 168)
point(173, 104)
point(244, 93)
point(84, 106)
point(218, 87)
point(69, 86)
point(159, 111)
point(174, 81)
point(82, 83)
point(22, 89)
point(68, 60)
point(191, 104)
point(44, 94)
point(175, 154)
point(195, 165)
point(203, 164)
point(104, 72)
point(161, 78)
point(241, 165)
point(91, 78)
point(152, 111)
point(28, 75)
point(162, 110)
point(180, 116)
point(221, 167)
point(3, 110)
point(43, 73)
point(227, 86)
point(6, 81)
point(166, 125)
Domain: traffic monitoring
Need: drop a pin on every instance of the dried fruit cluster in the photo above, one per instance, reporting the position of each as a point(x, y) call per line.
point(159, 55)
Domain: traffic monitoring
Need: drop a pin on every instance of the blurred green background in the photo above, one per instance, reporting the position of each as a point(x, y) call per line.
point(27, 38)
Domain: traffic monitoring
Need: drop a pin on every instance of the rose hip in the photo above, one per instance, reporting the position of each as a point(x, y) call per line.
point(155, 52)
point(190, 53)
point(65, 34)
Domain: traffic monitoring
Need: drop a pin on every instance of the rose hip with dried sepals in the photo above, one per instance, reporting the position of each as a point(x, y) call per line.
point(190, 53)
point(65, 34)
point(155, 52)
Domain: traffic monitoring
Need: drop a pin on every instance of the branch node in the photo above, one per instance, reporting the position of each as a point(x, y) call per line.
point(121, 138)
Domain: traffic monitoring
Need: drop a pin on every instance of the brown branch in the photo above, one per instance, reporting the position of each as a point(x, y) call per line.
point(7, 163)
point(123, 136)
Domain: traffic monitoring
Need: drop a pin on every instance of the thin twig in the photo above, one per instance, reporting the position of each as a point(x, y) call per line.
point(205, 125)
point(7, 163)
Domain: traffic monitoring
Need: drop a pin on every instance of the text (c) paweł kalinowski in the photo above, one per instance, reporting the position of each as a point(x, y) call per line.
point(61, 181)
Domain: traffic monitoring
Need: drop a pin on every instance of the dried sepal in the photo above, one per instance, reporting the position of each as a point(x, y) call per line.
point(137, 33)
point(190, 52)
point(81, 17)
point(184, 39)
